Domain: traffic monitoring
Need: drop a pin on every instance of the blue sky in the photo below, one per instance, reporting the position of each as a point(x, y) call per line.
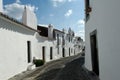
point(60, 13)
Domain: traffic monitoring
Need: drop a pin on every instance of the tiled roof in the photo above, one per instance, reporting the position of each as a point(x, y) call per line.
point(13, 20)
point(58, 30)
point(44, 30)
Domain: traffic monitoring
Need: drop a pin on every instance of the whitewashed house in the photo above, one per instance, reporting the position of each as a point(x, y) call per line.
point(102, 41)
point(49, 42)
point(78, 44)
point(53, 43)
point(69, 42)
point(20, 42)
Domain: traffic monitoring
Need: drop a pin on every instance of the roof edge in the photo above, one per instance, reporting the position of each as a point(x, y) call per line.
point(20, 23)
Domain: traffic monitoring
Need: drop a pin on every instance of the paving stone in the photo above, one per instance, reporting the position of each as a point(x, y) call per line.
point(69, 68)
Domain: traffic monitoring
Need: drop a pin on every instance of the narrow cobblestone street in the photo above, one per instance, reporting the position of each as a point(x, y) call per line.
point(69, 68)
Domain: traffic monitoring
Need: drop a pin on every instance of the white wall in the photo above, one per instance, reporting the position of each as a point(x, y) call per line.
point(1, 5)
point(78, 45)
point(44, 41)
point(13, 48)
point(67, 46)
point(105, 17)
point(47, 43)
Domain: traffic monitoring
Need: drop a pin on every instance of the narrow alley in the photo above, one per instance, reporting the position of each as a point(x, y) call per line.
point(70, 68)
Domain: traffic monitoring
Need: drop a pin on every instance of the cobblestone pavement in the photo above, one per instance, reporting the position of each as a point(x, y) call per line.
point(69, 68)
point(73, 70)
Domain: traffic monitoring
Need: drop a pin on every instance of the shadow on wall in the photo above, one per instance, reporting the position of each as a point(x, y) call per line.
point(6, 25)
point(44, 39)
point(41, 38)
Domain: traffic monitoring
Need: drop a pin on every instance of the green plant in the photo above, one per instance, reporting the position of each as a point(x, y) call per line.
point(38, 62)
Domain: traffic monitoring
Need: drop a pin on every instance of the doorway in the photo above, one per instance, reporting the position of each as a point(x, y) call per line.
point(63, 52)
point(51, 53)
point(94, 52)
point(43, 53)
point(69, 51)
point(29, 51)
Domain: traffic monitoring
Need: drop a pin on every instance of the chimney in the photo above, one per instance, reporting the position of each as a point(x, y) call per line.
point(50, 31)
point(29, 18)
point(1, 5)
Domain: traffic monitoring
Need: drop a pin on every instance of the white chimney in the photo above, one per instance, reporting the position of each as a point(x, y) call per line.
point(29, 18)
point(50, 31)
point(1, 5)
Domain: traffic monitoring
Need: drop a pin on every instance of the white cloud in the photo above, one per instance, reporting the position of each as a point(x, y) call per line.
point(57, 2)
point(81, 22)
point(68, 13)
point(16, 9)
point(51, 15)
point(43, 25)
point(18, 1)
point(70, 0)
point(81, 33)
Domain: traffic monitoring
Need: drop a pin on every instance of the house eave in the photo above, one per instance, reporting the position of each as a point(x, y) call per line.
point(17, 22)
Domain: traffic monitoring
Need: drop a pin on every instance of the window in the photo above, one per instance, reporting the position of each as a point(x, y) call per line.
point(58, 49)
point(79, 46)
point(74, 51)
point(29, 51)
point(57, 39)
point(51, 53)
point(69, 38)
point(63, 40)
point(71, 50)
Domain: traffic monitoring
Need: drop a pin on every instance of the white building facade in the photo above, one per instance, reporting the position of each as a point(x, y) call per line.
point(15, 41)
point(102, 38)
point(54, 44)
point(21, 42)
point(78, 45)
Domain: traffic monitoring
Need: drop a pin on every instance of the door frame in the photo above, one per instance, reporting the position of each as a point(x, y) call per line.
point(29, 51)
point(51, 53)
point(43, 53)
point(94, 52)
point(63, 52)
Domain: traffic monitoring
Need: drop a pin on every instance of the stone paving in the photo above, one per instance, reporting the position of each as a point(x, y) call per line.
point(70, 68)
